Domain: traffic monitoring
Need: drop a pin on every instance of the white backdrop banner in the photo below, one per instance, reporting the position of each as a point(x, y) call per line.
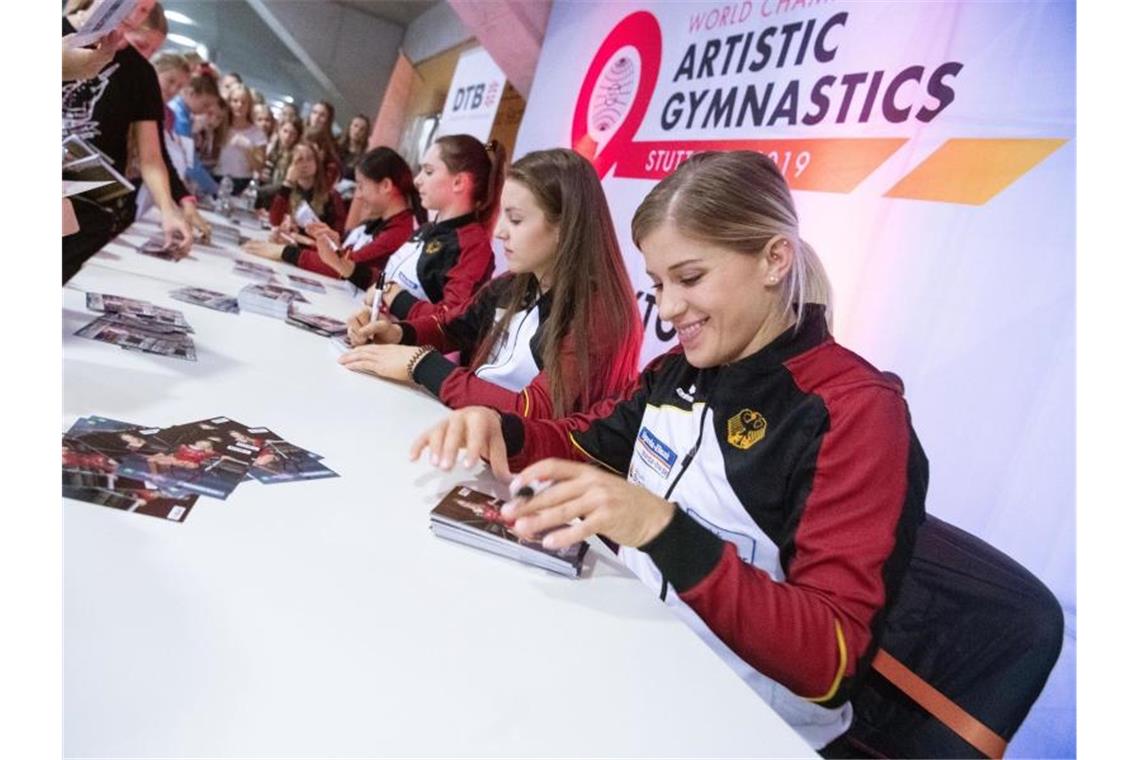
point(930, 148)
point(473, 99)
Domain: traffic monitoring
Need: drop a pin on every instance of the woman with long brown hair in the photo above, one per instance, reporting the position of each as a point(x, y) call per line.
point(555, 334)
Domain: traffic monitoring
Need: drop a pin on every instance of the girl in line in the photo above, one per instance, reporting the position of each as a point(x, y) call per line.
point(243, 145)
point(764, 481)
point(555, 334)
point(391, 211)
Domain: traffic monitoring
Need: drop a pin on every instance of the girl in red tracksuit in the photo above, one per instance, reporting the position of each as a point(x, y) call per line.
point(555, 334)
point(391, 211)
point(764, 481)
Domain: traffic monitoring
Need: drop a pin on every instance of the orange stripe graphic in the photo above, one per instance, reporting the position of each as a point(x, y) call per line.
point(972, 171)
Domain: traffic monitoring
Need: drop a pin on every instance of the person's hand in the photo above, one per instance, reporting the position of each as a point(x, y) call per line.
point(264, 248)
point(390, 362)
point(391, 290)
point(85, 63)
point(605, 503)
point(341, 264)
point(362, 330)
point(371, 292)
point(288, 226)
point(195, 220)
point(476, 430)
point(318, 230)
point(176, 233)
point(291, 176)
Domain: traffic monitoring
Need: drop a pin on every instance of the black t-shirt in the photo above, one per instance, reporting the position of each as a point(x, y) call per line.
point(101, 109)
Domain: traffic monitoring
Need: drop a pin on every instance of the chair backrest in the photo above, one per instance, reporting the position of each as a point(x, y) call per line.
point(964, 653)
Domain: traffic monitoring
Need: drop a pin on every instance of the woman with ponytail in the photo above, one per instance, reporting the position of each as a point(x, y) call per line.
point(391, 211)
point(448, 259)
point(764, 481)
point(555, 334)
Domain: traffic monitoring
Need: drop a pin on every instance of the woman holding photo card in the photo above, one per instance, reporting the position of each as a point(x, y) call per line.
point(764, 481)
point(555, 334)
point(391, 211)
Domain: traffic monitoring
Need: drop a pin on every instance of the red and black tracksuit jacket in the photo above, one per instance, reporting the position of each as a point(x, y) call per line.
point(799, 484)
point(455, 259)
point(383, 237)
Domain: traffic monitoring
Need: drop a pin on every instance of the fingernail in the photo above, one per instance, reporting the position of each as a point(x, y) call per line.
point(468, 463)
point(446, 463)
point(548, 542)
point(435, 460)
point(508, 509)
point(516, 483)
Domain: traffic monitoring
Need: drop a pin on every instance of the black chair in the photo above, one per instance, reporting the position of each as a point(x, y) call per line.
point(964, 653)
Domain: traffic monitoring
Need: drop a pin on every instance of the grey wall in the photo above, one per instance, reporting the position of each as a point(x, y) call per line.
point(435, 30)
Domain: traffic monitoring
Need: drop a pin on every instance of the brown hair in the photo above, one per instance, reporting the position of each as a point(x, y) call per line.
point(155, 21)
point(485, 164)
point(203, 84)
point(320, 192)
point(737, 200)
point(591, 344)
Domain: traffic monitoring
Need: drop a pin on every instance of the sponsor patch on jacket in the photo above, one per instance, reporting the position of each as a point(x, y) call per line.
point(655, 454)
point(746, 428)
point(433, 247)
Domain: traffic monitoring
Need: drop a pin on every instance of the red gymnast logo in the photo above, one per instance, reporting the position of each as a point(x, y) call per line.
point(617, 90)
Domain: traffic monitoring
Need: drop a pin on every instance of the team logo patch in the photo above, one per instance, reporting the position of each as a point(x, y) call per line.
point(746, 428)
point(433, 247)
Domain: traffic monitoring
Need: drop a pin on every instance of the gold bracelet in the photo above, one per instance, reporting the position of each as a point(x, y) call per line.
point(417, 357)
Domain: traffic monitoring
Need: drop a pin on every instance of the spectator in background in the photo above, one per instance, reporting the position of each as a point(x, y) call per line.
point(173, 75)
point(229, 81)
point(288, 111)
point(243, 147)
point(194, 100)
point(353, 143)
point(329, 157)
point(306, 181)
point(209, 131)
point(281, 153)
point(263, 118)
point(322, 116)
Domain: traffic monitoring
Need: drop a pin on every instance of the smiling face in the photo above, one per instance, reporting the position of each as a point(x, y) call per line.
point(375, 195)
point(720, 301)
point(436, 184)
point(529, 240)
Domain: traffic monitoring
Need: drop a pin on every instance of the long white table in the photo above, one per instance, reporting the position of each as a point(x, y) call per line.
point(322, 618)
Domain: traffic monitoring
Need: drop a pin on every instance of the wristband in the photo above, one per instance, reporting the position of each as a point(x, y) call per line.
point(417, 357)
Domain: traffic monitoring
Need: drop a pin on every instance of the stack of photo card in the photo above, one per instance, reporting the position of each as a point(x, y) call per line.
point(270, 300)
point(211, 299)
point(317, 323)
point(90, 472)
point(473, 518)
point(307, 283)
point(139, 326)
point(162, 471)
point(156, 246)
point(227, 234)
point(253, 271)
